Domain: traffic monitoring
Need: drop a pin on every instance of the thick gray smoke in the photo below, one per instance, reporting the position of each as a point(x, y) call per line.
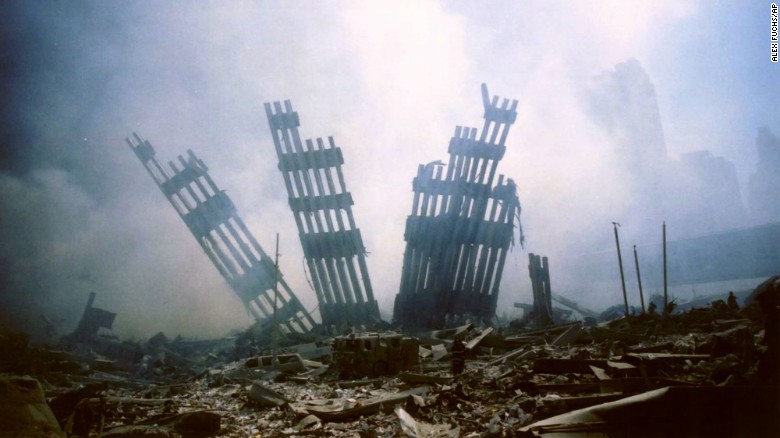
point(596, 134)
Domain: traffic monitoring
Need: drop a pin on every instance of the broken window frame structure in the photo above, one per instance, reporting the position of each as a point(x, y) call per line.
point(322, 207)
point(213, 220)
point(460, 227)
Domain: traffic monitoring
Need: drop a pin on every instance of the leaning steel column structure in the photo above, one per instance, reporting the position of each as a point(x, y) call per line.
point(460, 227)
point(213, 220)
point(322, 206)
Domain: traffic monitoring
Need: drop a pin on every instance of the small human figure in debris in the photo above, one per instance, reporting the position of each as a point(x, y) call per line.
point(669, 309)
point(651, 308)
point(458, 356)
point(731, 302)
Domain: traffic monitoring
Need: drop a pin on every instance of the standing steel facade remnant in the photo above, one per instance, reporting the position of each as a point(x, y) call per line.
point(539, 271)
point(212, 218)
point(460, 228)
point(322, 206)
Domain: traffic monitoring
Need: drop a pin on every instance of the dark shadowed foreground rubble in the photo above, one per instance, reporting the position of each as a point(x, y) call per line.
point(697, 373)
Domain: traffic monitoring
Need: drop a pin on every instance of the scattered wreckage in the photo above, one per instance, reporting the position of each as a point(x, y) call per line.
point(375, 354)
point(701, 372)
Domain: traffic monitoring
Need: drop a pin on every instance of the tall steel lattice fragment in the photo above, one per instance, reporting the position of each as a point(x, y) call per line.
point(460, 228)
point(322, 206)
point(212, 218)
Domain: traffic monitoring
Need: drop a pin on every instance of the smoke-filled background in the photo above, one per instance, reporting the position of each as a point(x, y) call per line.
point(615, 100)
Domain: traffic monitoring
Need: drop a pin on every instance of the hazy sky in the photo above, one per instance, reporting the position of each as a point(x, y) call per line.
point(389, 80)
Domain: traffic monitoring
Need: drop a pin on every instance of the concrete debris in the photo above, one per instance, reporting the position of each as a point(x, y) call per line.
point(478, 339)
point(417, 378)
point(375, 354)
point(702, 372)
point(292, 363)
point(415, 429)
point(709, 411)
point(264, 396)
point(23, 409)
point(307, 422)
point(438, 351)
point(345, 408)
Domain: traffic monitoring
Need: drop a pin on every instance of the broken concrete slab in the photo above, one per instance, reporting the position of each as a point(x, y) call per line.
point(417, 429)
point(708, 411)
point(473, 343)
point(23, 409)
point(416, 378)
point(438, 351)
point(290, 363)
point(265, 396)
point(345, 409)
point(560, 366)
point(569, 336)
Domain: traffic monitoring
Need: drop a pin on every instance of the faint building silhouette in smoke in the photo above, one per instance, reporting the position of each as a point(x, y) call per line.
point(623, 102)
point(699, 193)
point(763, 193)
point(713, 199)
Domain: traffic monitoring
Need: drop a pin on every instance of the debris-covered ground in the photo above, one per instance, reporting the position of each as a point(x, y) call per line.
point(696, 373)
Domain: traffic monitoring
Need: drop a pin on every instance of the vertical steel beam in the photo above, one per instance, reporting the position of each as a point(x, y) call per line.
point(620, 264)
point(639, 280)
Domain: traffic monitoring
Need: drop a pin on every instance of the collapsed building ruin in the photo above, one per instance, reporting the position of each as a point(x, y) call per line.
point(92, 320)
point(460, 228)
point(94, 331)
point(211, 216)
point(322, 206)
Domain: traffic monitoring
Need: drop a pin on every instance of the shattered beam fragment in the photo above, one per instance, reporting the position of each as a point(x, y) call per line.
point(213, 220)
point(322, 207)
point(460, 228)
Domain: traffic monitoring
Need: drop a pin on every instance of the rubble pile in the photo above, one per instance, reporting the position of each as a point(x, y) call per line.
point(647, 375)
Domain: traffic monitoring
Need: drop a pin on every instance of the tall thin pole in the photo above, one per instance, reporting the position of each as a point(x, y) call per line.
point(639, 280)
point(275, 359)
point(620, 263)
point(666, 294)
